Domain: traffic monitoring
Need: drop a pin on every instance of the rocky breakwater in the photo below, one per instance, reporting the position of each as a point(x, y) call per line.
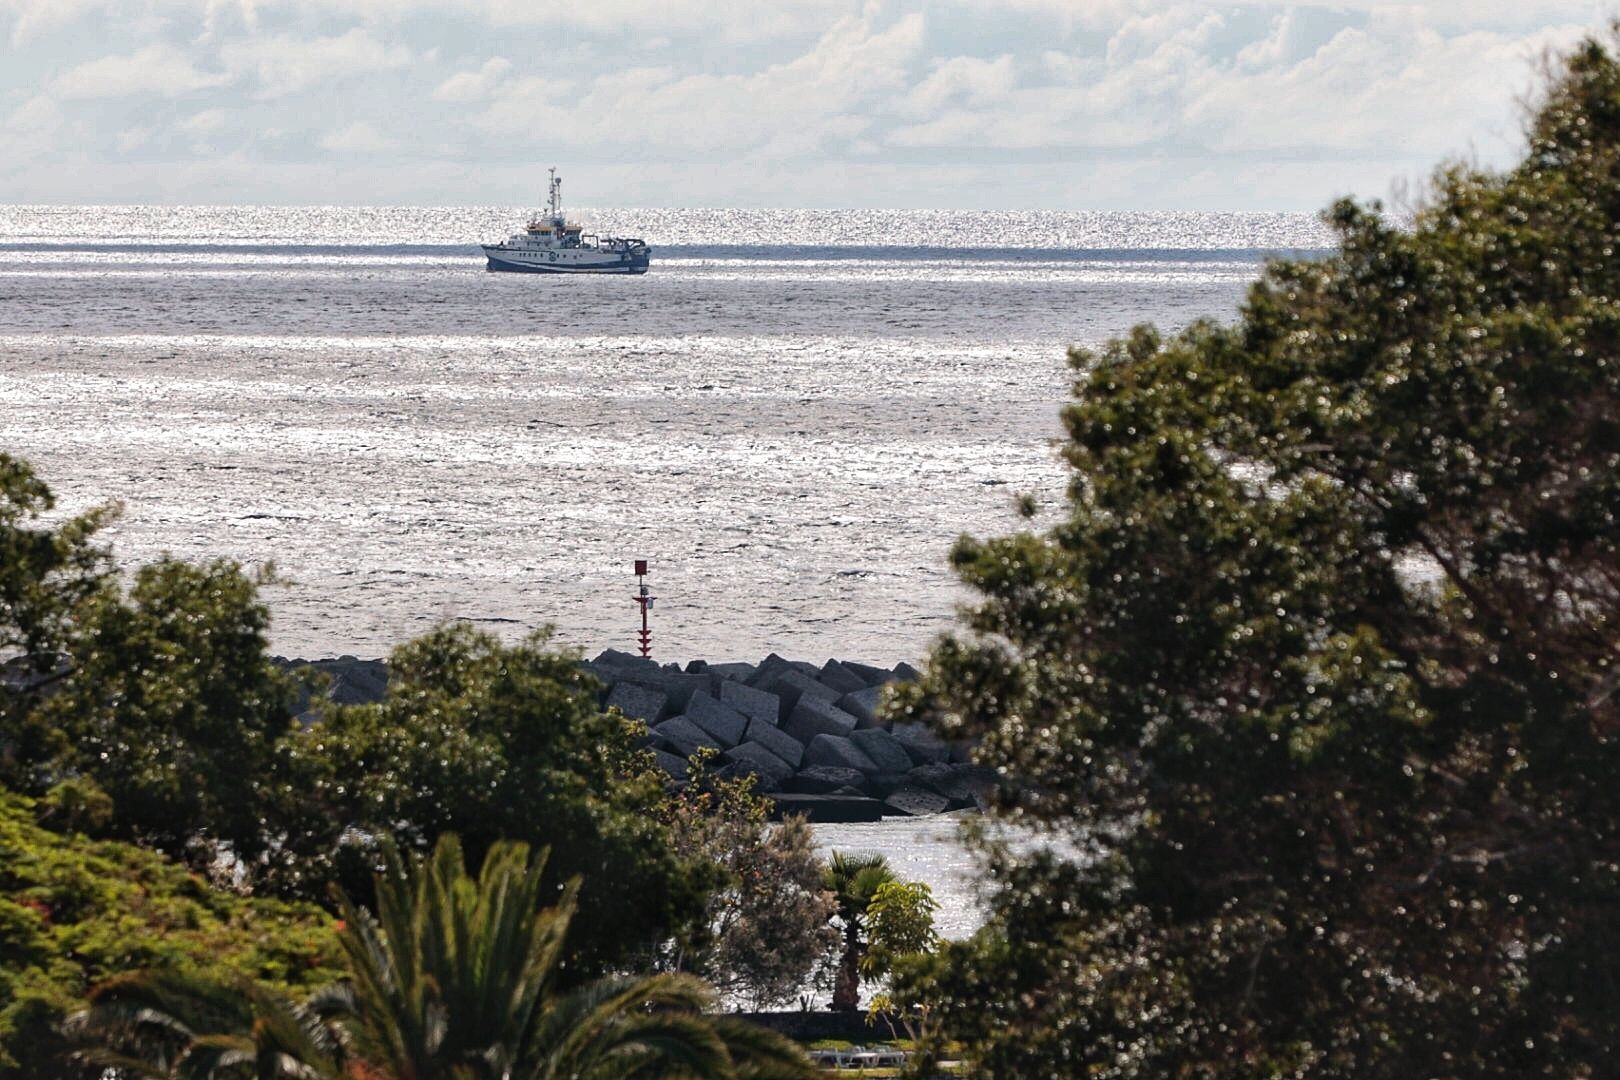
point(811, 736)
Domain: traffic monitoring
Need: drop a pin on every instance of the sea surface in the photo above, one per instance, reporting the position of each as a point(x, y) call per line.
point(792, 416)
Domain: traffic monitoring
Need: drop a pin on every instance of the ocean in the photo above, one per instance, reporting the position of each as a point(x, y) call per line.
point(792, 416)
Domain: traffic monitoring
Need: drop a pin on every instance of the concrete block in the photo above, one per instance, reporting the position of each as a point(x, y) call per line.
point(838, 750)
point(696, 667)
point(676, 685)
point(884, 750)
point(776, 740)
point(916, 802)
point(672, 764)
point(814, 717)
point(772, 772)
point(768, 669)
point(641, 702)
point(863, 705)
point(790, 686)
point(822, 779)
point(752, 703)
point(718, 719)
point(881, 783)
point(832, 809)
point(906, 673)
point(925, 747)
point(962, 751)
point(732, 672)
point(963, 785)
point(838, 677)
point(616, 658)
point(874, 676)
point(686, 737)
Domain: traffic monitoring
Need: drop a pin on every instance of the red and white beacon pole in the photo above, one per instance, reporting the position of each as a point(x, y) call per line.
point(645, 599)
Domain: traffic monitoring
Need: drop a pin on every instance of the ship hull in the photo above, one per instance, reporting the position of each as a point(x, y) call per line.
point(536, 263)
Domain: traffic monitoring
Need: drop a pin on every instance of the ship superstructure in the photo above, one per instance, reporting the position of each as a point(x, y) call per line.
point(551, 244)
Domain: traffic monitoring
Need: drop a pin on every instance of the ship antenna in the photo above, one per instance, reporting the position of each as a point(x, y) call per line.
point(556, 192)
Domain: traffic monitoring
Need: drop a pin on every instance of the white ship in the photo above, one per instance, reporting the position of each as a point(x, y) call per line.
point(553, 245)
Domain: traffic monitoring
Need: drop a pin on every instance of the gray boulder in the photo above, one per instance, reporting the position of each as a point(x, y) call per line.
point(776, 740)
point(863, 705)
point(884, 750)
point(670, 763)
point(874, 676)
point(829, 808)
point(814, 717)
point(641, 702)
point(772, 772)
point(752, 703)
point(838, 750)
point(825, 779)
point(921, 743)
point(963, 785)
point(838, 677)
point(686, 737)
point(793, 686)
point(676, 685)
point(768, 669)
point(718, 719)
point(617, 658)
point(916, 802)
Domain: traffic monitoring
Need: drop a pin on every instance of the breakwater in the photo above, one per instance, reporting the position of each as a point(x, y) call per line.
point(811, 735)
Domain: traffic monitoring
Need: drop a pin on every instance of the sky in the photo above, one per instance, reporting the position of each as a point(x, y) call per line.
point(1005, 104)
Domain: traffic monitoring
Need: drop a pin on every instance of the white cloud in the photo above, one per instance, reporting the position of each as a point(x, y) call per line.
point(206, 122)
point(282, 65)
point(474, 85)
point(828, 92)
point(160, 70)
point(358, 138)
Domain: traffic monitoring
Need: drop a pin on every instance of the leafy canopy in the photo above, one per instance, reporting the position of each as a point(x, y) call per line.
point(1320, 671)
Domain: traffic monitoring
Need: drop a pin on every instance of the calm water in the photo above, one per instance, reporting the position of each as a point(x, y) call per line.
point(792, 416)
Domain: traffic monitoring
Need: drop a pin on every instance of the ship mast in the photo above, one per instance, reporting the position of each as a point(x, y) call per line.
point(556, 193)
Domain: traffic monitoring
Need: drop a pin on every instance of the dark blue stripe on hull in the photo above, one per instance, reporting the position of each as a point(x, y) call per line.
point(635, 266)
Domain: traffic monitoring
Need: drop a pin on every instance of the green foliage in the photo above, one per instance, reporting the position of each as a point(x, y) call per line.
point(491, 742)
point(853, 880)
point(1314, 691)
point(899, 924)
point(766, 931)
point(452, 978)
point(74, 912)
point(173, 709)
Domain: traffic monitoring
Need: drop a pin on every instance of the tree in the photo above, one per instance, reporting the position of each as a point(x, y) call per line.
point(168, 1024)
point(899, 925)
point(171, 705)
point(853, 880)
point(766, 929)
point(491, 742)
point(1318, 675)
point(46, 575)
point(452, 978)
point(460, 977)
point(76, 912)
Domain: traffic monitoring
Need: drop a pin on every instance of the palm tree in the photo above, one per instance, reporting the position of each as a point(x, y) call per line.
point(453, 978)
point(176, 1025)
point(853, 879)
point(457, 979)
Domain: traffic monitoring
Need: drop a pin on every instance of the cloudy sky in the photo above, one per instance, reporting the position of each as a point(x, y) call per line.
point(1084, 104)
